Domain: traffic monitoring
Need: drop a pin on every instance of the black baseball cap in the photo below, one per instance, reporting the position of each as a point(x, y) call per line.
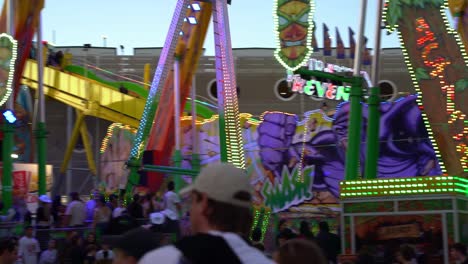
point(136, 242)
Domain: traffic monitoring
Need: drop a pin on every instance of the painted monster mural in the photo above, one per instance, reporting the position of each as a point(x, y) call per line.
point(301, 162)
point(405, 149)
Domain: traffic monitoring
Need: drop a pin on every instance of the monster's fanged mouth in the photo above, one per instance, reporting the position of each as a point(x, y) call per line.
point(292, 43)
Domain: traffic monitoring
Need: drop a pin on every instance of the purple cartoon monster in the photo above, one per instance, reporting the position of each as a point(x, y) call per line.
point(405, 149)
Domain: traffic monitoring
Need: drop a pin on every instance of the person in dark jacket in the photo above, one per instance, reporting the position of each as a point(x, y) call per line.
point(329, 242)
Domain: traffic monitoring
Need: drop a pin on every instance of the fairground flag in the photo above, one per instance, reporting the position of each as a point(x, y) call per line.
point(314, 40)
point(340, 49)
point(352, 43)
point(326, 41)
point(366, 57)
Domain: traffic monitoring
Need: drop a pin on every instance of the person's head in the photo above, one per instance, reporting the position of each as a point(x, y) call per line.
point(28, 231)
point(136, 198)
point(171, 186)
point(113, 199)
point(91, 237)
point(281, 224)
point(304, 228)
point(132, 245)
point(405, 254)
point(74, 196)
point(323, 227)
point(299, 251)
point(101, 202)
point(57, 200)
point(221, 200)
point(285, 235)
point(105, 246)
point(8, 251)
point(458, 251)
point(52, 244)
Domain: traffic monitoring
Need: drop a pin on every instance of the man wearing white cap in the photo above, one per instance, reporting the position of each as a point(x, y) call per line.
point(220, 216)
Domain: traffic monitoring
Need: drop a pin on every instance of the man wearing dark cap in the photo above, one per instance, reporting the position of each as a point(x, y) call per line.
point(220, 217)
point(131, 246)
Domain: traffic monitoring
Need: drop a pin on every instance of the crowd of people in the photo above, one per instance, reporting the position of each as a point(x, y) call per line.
point(220, 213)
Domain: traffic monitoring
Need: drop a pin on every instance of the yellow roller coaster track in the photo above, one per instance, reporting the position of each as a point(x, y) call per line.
point(87, 96)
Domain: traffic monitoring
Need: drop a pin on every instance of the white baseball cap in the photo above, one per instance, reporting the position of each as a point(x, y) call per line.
point(222, 182)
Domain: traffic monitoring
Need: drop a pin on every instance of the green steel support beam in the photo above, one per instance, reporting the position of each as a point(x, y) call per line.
point(41, 139)
point(7, 173)
point(170, 170)
point(372, 142)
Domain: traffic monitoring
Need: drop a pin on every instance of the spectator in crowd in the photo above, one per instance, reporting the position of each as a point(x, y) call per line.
point(329, 242)
point(74, 253)
point(8, 251)
point(406, 255)
point(21, 210)
point(172, 209)
point(57, 211)
point(8, 216)
point(283, 232)
point(90, 240)
point(221, 217)
point(285, 235)
point(91, 205)
point(44, 212)
point(304, 231)
point(105, 255)
point(131, 246)
point(458, 253)
point(113, 202)
point(90, 254)
point(76, 211)
point(102, 215)
point(300, 251)
point(121, 224)
point(28, 248)
point(147, 205)
point(119, 208)
point(134, 208)
point(50, 255)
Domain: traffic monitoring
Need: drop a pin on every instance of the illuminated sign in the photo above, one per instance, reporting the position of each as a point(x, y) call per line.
point(436, 60)
point(320, 89)
point(8, 50)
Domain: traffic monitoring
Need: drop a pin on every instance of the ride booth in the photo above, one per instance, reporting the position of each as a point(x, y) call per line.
point(428, 213)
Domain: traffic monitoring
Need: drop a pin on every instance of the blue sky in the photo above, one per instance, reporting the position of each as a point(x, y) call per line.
point(144, 23)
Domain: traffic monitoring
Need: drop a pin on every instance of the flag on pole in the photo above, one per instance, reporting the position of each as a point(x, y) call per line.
point(352, 43)
point(314, 39)
point(326, 41)
point(340, 49)
point(366, 57)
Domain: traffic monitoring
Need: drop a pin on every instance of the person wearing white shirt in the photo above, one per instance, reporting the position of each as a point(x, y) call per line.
point(49, 256)
point(76, 211)
point(28, 247)
point(171, 202)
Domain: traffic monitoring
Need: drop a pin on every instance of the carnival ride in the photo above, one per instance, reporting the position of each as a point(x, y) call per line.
point(90, 95)
point(156, 137)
